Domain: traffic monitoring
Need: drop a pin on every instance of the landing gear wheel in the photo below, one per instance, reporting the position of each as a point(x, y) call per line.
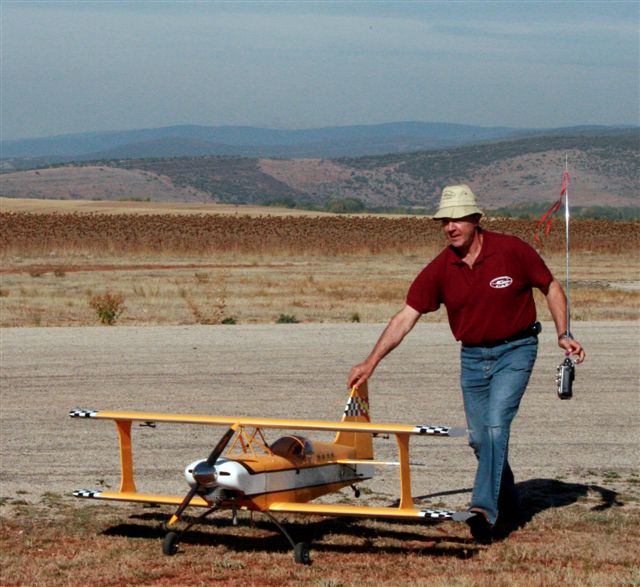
point(301, 553)
point(170, 544)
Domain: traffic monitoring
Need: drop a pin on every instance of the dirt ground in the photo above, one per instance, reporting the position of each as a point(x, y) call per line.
point(299, 370)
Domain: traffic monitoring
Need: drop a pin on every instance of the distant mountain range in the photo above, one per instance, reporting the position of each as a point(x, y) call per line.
point(521, 169)
point(246, 141)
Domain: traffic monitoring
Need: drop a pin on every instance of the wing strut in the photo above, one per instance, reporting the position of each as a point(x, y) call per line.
point(406, 499)
point(127, 482)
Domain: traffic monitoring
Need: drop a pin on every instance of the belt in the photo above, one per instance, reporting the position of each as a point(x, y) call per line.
point(532, 330)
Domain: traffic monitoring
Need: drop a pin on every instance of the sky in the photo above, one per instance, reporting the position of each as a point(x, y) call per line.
point(70, 67)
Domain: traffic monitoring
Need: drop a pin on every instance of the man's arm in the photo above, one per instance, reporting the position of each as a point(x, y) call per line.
point(391, 337)
point(557, 302)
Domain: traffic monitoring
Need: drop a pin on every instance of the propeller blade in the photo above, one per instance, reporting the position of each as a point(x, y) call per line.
point(185, 502)
point(222, 444)
point(213, 457)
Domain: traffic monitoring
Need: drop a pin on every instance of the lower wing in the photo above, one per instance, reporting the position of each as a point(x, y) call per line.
point(369, 512)
point(134, 496)
point(426, 514)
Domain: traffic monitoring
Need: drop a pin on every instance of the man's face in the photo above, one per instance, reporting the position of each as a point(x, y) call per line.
point(460, 232)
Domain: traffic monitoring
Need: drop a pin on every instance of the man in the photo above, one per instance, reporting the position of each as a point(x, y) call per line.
point(485, 281)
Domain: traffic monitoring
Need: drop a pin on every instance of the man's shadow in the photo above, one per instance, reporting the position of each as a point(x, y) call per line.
point(538, 495)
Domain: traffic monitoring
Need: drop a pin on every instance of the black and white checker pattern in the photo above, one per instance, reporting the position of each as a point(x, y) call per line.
point(82, 413)
point(433, 430)
point(437, 514)
point(356, 407)
point(89, 493)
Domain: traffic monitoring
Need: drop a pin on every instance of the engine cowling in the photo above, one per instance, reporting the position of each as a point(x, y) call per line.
point(226, 474)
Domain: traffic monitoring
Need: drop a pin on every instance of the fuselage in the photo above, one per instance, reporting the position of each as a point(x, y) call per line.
point(295, 470)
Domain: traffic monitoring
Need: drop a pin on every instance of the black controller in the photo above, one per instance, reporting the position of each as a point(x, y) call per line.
point(564, 378)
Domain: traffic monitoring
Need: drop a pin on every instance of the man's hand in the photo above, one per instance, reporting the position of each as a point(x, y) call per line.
point(572, 347)
point(359, 374)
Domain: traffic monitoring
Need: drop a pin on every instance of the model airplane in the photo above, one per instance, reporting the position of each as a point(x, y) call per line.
point(280, 477)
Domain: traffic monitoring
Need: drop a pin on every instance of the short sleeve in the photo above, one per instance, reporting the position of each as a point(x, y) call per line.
point(424, 294)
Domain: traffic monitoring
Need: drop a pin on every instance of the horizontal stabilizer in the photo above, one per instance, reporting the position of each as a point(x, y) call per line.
point(370, 512)
point(372, 462)
point(285, 423)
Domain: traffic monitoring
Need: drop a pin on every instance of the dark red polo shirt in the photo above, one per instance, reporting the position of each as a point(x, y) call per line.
point(492, 300)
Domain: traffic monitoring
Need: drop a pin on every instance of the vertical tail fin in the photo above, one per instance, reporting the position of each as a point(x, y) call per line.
point(357, 410)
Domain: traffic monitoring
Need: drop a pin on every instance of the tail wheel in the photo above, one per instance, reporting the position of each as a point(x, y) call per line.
point(301, 554)
point(170, 543)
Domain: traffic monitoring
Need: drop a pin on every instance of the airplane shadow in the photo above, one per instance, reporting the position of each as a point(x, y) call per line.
point(537, 495)
point(260, 534)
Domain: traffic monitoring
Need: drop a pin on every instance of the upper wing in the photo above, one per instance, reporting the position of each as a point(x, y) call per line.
point(291, 424)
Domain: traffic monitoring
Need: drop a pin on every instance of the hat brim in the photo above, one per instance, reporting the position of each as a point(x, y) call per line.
point(456, 212)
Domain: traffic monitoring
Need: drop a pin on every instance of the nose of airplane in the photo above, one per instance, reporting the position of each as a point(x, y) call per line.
point(199, 473)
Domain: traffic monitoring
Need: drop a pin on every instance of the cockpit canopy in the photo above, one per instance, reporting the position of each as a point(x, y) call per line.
point(292, 446)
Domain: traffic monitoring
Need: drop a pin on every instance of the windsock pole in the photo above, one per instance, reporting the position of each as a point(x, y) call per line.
point(566, 220)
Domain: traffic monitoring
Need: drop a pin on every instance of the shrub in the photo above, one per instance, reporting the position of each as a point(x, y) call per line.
point(109, 306)
point(229, 320)
point(346, 206)
point(286, 319)
point(355, 317)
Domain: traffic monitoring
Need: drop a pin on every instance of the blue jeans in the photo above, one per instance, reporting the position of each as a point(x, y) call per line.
point(493, 381)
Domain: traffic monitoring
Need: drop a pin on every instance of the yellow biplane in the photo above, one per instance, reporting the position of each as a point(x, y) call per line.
point(245, 472)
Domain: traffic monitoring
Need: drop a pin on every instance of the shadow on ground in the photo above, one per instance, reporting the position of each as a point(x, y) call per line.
point(538, 495)
point(349, 535)
point(339, 535)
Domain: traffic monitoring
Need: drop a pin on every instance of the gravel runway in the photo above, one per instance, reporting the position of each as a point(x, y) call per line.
point(298, 370)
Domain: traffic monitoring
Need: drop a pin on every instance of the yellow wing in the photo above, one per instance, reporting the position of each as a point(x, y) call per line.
point(369, 511)
point(284, 423)
point(137, 497)
point(433, 514)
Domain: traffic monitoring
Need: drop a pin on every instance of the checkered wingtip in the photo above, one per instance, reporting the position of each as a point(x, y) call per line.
point(433, 430)
point(82, 413)
point(437, 514)
point(88, 493)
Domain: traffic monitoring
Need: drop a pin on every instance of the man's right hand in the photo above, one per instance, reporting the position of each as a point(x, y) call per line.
point(358, 374)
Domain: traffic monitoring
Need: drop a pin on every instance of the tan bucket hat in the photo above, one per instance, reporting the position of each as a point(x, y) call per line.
point(457, 201)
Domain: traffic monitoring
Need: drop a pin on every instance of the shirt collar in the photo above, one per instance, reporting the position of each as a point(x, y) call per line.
point(488, 249)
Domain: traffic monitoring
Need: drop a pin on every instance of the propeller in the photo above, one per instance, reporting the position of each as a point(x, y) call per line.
point(205, 474)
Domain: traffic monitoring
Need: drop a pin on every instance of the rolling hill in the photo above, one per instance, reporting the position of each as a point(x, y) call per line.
point(510, 172)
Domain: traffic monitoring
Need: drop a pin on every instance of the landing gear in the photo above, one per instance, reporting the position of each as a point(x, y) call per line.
point(301, 553)
point(171, 538)
point(170, 543)
point(300, 549)
point(356, 491)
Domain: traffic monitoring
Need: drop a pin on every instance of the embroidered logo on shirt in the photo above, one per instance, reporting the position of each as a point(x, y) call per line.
point(501, 282)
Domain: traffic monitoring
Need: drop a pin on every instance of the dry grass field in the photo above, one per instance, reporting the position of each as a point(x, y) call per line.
point(194, 264)
point(58, 544)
